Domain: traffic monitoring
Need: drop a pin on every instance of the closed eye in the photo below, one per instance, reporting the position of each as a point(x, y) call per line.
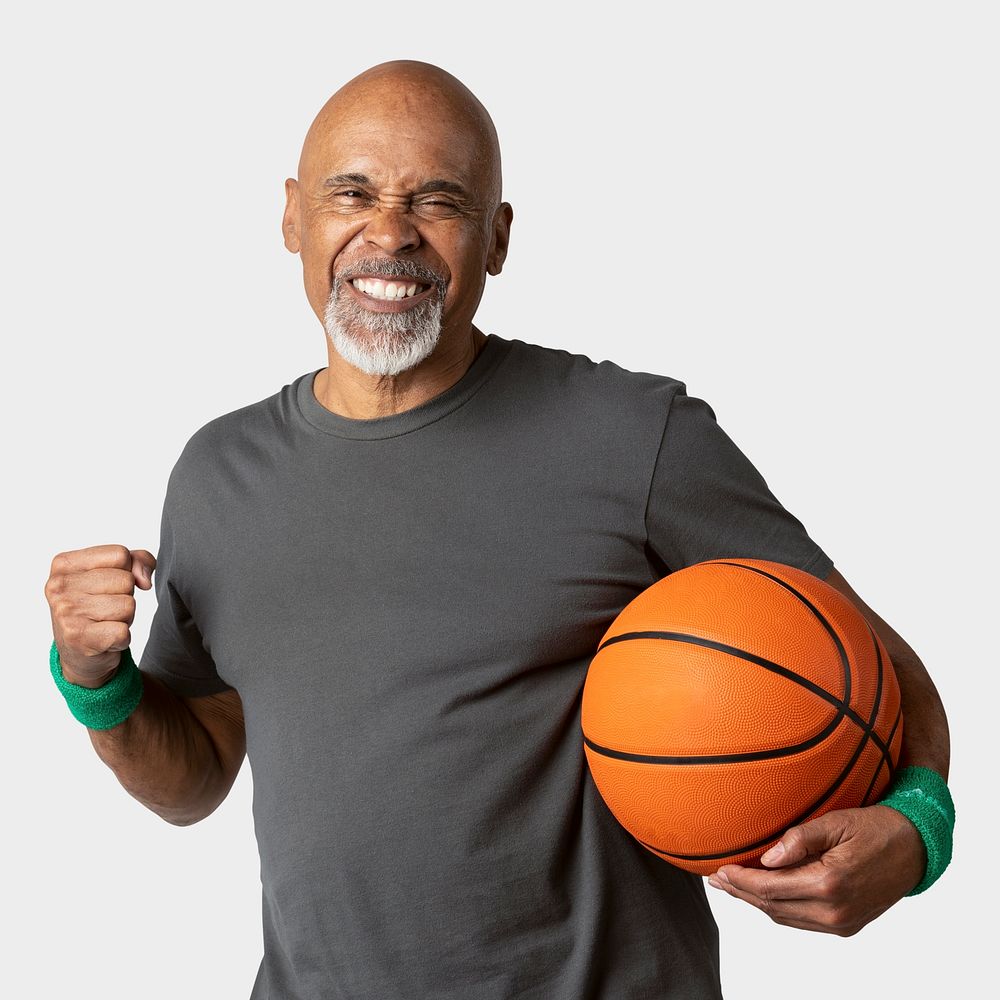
point(350, 199)
point(436, 207)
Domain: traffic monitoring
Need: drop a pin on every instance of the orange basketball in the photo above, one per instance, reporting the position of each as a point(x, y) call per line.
point(732, 700)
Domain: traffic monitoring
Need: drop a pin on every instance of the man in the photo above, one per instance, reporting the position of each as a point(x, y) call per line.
point(384, 585)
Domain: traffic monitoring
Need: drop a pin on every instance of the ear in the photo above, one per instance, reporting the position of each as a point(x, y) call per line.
point(502, 219)
point(290, 220)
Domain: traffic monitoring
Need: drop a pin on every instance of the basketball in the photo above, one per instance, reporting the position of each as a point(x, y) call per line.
point(734, 699)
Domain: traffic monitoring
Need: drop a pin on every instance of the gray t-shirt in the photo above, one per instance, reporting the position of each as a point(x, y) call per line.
point(407, 607)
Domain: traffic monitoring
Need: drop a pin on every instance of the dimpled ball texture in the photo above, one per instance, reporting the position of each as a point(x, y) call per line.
point(734, 699)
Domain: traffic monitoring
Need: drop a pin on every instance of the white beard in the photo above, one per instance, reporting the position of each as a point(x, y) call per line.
point(382, 343)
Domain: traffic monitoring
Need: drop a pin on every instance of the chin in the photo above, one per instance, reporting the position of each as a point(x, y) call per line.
point(382, 356)
point(380, 343)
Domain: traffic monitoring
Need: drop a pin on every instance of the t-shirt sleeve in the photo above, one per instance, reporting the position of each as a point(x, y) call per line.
point(175, 652)
point(708, 501)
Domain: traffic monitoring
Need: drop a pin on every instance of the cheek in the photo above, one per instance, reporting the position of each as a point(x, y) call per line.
point(467, 263)
point(323, 241)
point(322, 247)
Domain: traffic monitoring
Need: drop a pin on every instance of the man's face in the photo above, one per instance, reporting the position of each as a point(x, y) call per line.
point(396, 228)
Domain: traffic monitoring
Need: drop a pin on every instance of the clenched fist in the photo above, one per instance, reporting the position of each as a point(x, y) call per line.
point(90, 594)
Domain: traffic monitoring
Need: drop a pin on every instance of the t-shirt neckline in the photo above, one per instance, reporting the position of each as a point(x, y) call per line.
point(485, 363)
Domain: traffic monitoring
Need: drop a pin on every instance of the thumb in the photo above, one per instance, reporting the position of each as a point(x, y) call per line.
point(143, 564)
point(800, 842)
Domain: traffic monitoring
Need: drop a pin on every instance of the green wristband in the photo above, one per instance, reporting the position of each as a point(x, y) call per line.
point(922, 796)
point(106, 706)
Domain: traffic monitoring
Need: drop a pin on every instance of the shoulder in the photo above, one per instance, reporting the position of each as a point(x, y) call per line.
point(246, 433)
point(594, 385)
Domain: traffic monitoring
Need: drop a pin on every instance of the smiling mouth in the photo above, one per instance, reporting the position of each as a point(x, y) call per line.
point(388, 291)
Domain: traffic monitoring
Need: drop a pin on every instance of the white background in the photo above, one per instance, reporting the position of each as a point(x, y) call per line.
point(791, 206)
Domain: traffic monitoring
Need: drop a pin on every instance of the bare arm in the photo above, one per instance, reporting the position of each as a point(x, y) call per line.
point(177, 756)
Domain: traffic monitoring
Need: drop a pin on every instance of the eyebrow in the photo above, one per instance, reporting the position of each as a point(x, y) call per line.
point(360, 179)
point(436, 184)
point(441, 184)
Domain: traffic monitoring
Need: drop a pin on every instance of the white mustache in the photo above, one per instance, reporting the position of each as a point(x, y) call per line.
point(381, 267)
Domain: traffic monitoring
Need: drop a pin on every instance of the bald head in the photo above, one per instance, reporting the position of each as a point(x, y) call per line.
point(412, 94)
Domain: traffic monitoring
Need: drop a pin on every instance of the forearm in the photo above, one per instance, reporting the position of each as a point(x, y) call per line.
point(926, 741)
point(164, 757)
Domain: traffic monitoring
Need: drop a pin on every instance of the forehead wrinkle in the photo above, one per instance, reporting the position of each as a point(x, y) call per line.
point(383, 164)
point(365, 149)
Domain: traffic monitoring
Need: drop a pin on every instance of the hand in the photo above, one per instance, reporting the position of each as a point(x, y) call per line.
point(90, 594)
point(835, 873)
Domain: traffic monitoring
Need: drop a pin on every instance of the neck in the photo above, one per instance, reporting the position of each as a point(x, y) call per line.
point(350, 392)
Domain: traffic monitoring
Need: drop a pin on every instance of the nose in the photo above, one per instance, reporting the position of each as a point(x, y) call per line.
point(391, 230)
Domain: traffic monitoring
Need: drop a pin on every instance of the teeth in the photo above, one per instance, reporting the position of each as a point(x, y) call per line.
point(379, 289)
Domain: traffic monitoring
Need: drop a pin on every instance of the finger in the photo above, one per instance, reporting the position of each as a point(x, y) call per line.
point(808, 840)
point(143, 564)
point(93, 557)
point(89, 638)
point(792, 883)
point(114, 635)
point(795, 910)
point(107, 607)
point(759, 897)
point(103, 581)
point(821, 915)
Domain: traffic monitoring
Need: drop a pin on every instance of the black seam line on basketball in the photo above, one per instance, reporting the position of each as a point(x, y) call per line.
point(868, 727)
point(776, 668)
point(868, 734)
point(843, 711)
point(871, 785)
point(831, 631)
point(801, 818)
point(887, 756)
point(721, 758)
point(885, 747)
point(876, 707)
point(842, 652)
point(892, 736)
point(884, 758)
